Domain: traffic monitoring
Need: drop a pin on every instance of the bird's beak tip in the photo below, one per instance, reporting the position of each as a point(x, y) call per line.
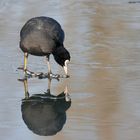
point(67, 62)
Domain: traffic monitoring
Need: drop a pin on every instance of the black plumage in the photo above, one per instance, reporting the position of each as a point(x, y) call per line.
point(42, 36)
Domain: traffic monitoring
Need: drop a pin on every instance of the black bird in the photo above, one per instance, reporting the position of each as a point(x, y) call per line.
point(42, 36)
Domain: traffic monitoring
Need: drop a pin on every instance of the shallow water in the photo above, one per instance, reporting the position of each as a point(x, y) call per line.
point(103, 39)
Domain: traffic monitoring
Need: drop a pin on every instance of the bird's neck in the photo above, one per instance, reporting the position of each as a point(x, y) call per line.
point(58, 50)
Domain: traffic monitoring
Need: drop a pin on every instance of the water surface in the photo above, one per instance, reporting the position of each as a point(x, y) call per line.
point(103, 38)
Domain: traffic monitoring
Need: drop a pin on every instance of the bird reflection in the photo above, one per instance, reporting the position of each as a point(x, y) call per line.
point(45, 114)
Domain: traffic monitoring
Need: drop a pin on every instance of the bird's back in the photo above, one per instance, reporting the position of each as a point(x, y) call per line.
point(40, 35)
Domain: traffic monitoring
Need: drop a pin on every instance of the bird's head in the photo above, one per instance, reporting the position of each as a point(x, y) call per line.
point(62, 57)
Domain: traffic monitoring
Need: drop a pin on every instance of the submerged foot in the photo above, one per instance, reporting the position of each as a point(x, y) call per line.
point(29, 74)
point(41, 75)
point(49, 75)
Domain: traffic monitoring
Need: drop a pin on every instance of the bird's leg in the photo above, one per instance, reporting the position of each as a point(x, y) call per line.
point(50, 74)
point(49, 85)
point(26, 89)
point(48, 64)
point(27, 72)
point(25, 63)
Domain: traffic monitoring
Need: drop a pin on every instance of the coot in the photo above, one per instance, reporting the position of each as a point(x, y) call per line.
point(42, 36)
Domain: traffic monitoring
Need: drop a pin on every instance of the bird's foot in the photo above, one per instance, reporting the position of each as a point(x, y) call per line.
point(64, 76)
point(29, 74)
point(55, 76)
point(41, 75)
point(49, 75)
point(67, 76)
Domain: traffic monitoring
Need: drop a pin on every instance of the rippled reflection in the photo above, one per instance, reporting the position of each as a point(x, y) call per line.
point(45, 114)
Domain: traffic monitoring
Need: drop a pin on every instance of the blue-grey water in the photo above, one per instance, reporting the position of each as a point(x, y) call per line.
point(103, 37)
